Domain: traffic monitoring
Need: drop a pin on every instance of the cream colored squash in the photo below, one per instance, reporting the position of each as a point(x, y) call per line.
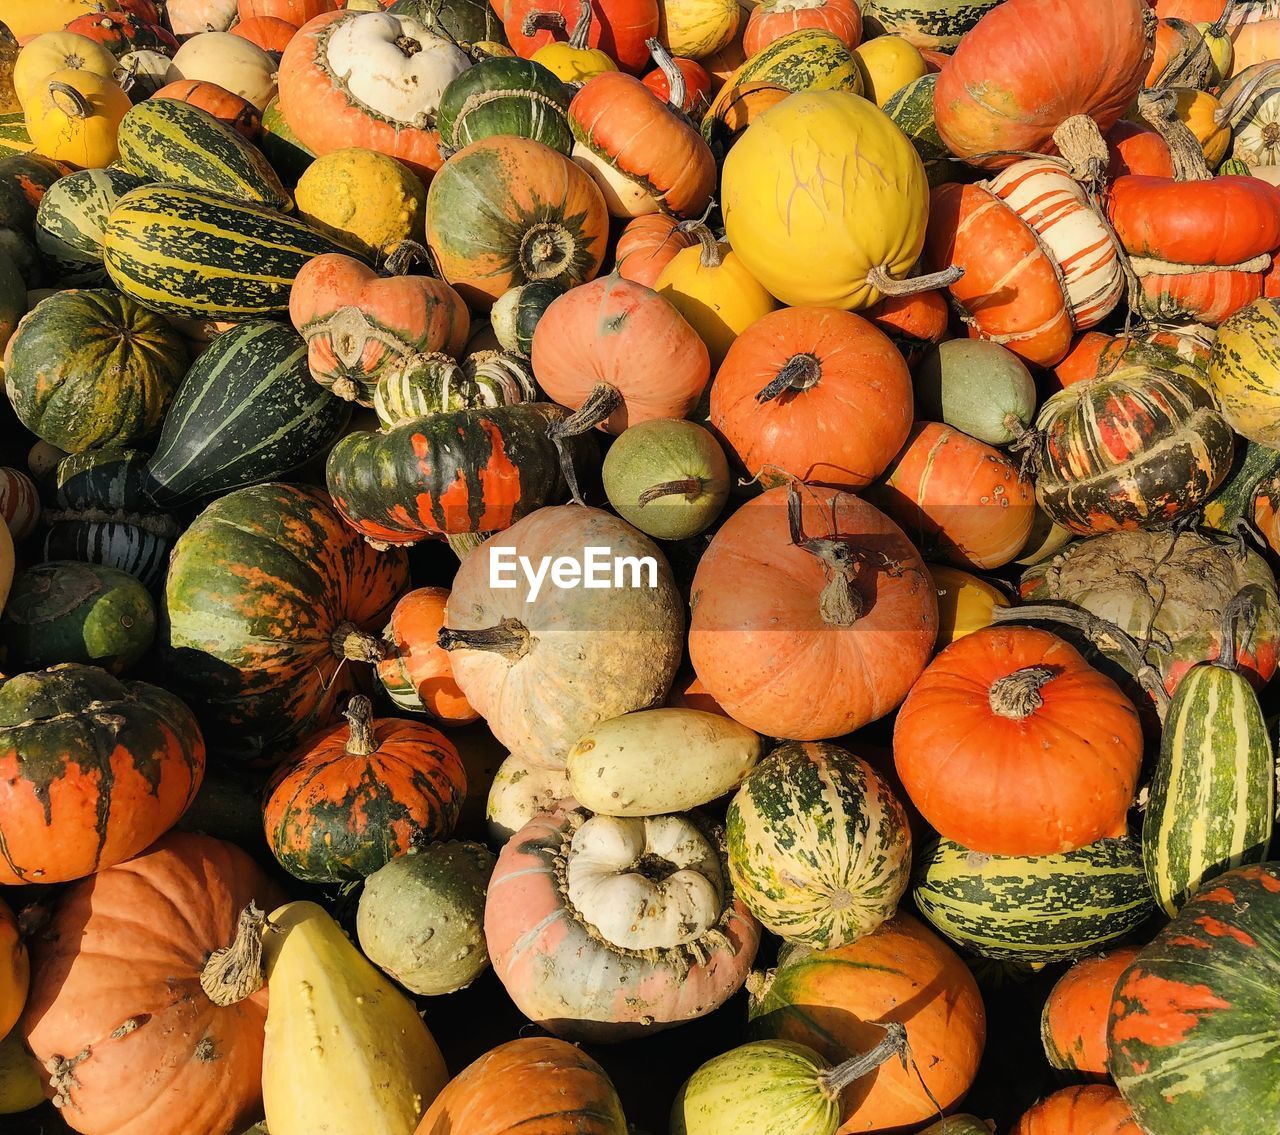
point(241, 67)
point(57, 51)
point(520, 791)
point(191, 17)
point(623, 196)
point(696, 29)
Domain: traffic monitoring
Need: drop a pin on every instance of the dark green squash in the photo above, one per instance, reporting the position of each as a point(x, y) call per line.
point(517, 311)
point(506, 96)
point(464, 22)
point(71, 220)
point(282, 147)
point(911, 108)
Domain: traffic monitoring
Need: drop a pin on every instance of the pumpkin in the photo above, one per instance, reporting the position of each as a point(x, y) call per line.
point(772, 19)
point(849, 244)
point(57, 51)
point(506, 96)
point(915, 324)
point(519, 792)
point(267, 32)
point(296, 12)
point(1201, 113)
point(122, 32)
point(371, 80)
point(419, 386)
point(15, 971)
point(836, 1001)
point(416, 672)
point(532, 1080)
point(1073, 1025)
point(803, 589)
point(614, 29)
point(19, 504)
point(358, 323)
point(1252, 112)
point(966, 603)
point(698, 28)
point(888, 63)
point(590, 945)
point(573, 62)
point(505, 210)
point(648, 244)
point(421, 917)
point(1096, 1109)
point(1137, 149)
point(813, 393)
point(1244, 374)
point(263, 594)
point(229, 109)
point(1044, 716)
point(92, 368)
point(1032, 65)
point(472, 24)
point(979, 388)
point(230, 61)
point(126, 975)
point(75, 117)
point(25, 21)
point(377, 1068)
point(666, 84)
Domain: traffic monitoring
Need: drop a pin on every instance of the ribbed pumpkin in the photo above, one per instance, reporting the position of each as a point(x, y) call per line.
point(1073, 1025)
point(15, 971)
point(416, 672)
point(1018, 708)
point(264, 592)
point(506, 96)
point(813, 393)
point(357, 795)
point(775, 18)
point(121, 979)
point(1095, 1109)
point(648, 244)
point(808, 589)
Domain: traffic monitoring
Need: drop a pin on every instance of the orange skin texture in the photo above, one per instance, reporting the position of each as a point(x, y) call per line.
point(417, 658)
point(1137, 150)
point(268, 32)
point(842, 431)
point(1197, 11)
point(1204, 297)
point(295, 12)
point(15, 971)
point(1171, 42)
point(1029, 65)
point(128, 944)
point(226, 106)
point(1085, 359)
point(618, 28)
point(771, 21)
point(923, 316)
point(697, 86)
point(1054, 780)
point(758, 640)
point(958, 497)
point(1073, 1026)
point(1096, 1109)
point(625, 335)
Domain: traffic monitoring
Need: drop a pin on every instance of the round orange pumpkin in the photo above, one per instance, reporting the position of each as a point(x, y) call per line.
point(1012, 744)
point(15, 971)
point(772, 19)
point(417, 673)
point(1073, 1025)
point(296, 12)
point(1095, 1109)
point(648, 244)
point(268, 32)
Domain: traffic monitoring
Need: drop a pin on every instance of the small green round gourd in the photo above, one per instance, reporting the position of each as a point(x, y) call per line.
point(506, 96)
point(668, 478)
point(977, 387)
point(516, 313)
point(421, 917)
point(77, 612)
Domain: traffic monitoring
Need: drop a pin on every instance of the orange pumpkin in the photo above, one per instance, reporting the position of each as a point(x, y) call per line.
point(417, 672)
point(812, 614)
point(837, 1002)
point(1137, 149)
point(1084, 360)
point(296, 12)
point(1092, 1110)
point(15, 971)
point(915, 324)
point(772, 19)
point(116, 985)
point(958, 498)
point(1073, 1025)
point(815, 394)
point(1012, 744)
point(1175, 40)
point(648, 244)
point(619, 28)
point(229, 109)
point(697, 86)
point(270, 34)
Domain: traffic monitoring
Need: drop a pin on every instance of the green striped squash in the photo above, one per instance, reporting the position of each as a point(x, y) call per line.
point(505, 96)
point(1038, 909)
point(911, 109)
point(167, 140)
point(282, 147)
point(1254, 467)
point(14, 138)
point(248, 411)
point(191, 252)
point(931, 24)
point(1213, 794)
point(819, 848)
point(423, 384)
point(72, 217)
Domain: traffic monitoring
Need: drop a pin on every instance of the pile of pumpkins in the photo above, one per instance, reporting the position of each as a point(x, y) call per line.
point(762, 511)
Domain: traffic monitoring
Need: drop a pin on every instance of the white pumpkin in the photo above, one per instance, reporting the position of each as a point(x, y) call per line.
point(241, 67)
point(191, 17)
point(520, 791)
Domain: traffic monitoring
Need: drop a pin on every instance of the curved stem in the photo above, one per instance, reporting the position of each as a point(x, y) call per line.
point(800, 373)
point(580, 37)
point(1017, 695)
point(710, 255)
point(834, 1080)
point(510, 638)
point(361, 739)
point(1159, 108)
point(1081, 143)
point(677, 89)
point(538, 21)
point(885, 284)
point(689, 488)
point(405, 255)
point(599, 404)
point(350, 642)
point(840, 603)
point(68, 100)
point(1242, 608)
point(234, 972)
point(1219, 26)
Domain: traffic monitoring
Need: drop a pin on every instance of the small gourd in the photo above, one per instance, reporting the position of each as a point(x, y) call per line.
point(516, 312)
point(574, 61)
point(433, 383)
point(977, 387)
point(520, 790)
point(76, 117)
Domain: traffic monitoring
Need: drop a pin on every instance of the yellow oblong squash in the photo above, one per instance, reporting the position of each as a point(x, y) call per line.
point(966, 602)
point(346, 1052)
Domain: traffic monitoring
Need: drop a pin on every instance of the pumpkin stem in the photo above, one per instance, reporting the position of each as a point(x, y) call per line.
point(355, 645)
point(710, 256)
point(234, 972)
point(1081, 143)
point(885, 284)
point(409, 47)
point(579, 37)
point(690, 487)
point(599, 404)
point(1219, 26)
point(1159, 108)
point(840, 603)
point(539, 21)
point(510, 638)
point(800, 373)
point(833, 1081)
point(405, 255)
point(68, 100)
point(1241, 607)
point(677, 89)
point(359, 714)
point(1017, 695)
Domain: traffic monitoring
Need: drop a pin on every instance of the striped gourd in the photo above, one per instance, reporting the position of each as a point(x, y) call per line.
point(14, 138)
point(1045, 195)
point(1244, 371)
point(1038, 909)
point(911, 109)
point(936, 24)
point(190, 252)
point(1213, 793)
point(282, 147)
point(819, 847)
point(72, 217)
point(247, 411)
point(171, 141)
point(423, 384)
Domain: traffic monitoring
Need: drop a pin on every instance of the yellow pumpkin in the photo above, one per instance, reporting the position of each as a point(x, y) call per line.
point(35, 17)
point(76, 119)
point(58, 51)
point(21, 1087)
point(888, 63)
point(15, 972)
point(364, 199)
point(573, 64)
point(711, 287)
point(696, 29)
point(965, 602)
point(1244, 371)
point(825, 201)
point(1197, 110)
point(345, 1049)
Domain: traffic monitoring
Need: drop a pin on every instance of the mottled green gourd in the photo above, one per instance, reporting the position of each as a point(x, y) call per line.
point(506, 96)
point(977, 387)
point(464, 22)
point(421, 917)
point(71, 219)
point(286, 153)
point(74, 612)
point(517, 311)
point(933, 24)
point(911, 109)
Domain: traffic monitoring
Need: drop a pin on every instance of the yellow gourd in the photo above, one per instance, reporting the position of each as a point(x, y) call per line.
point(35, 17)
point(888, 63)
point(696, 29)
point(1198, 111)
point(712, 289)
point(76, 119)
point(58, 51)
point(826, 202)
point(1221, 51)
point(574, 61)
point(365, 199)
point(965, 602)
point(21, 1088)
point(346, 1052)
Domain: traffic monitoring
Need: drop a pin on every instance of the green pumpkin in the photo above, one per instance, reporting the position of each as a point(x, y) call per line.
point(668, 478)
point(911, 109)
point(506, 96)
point(93, 368)
point(24, 180)
point(74, 612)
point(421, 917)
point(931, 24)
point(517, 311)
point(282, 147)
point(977, 387)
point(71, 220)
point(464, 22)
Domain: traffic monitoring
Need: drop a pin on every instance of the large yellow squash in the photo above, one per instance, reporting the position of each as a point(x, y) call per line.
point(966, 603)
point(1244, 371)
point(58, 51)
point(822, 192)
point(75, 119)
point(346, 1052)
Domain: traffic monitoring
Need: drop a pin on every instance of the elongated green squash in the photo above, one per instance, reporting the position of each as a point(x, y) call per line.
point(1213, 793)
point(14, 138)
point(71, 219)
point(192, 252)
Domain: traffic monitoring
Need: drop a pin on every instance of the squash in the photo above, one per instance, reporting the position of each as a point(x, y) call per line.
point(819, 847)
point(129, 972)
point(966, 603)
point(592, 947)
point(888, 63)
point(416, 672)
point(517, 311)
point(122, 32)
point(421, 917)
point(620, 767)
point(1137, 149)
point(525, 683)
point(977, 387)
point(57, 51)
point(282, 147)
point(296, 12)
point(531, 1080)
point(696, 29)
point(649, 243)
point(21, 1081)
point(376, 1068)
point(697, 86)
point(1201, 113)
point(267, 32)
point(1073, 1024)
point(1244, 374)
point(148, 72)
point(807, 589)
point(603, 33)
point(506, 96)
point(770, 20)
point(74, 119)
point(929, 24)
point(853, 242)
point(1252, 111)
point(419, 386)
point(231, 61)
point(191, 17)
point(71, 220)
point(19, 504)
point(6, 562)
point(573, 62)
point(15, 973)
point(911, 108)
point(519, 792)
point(473, 25)
point(1096, 1108)
point(25, 21)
